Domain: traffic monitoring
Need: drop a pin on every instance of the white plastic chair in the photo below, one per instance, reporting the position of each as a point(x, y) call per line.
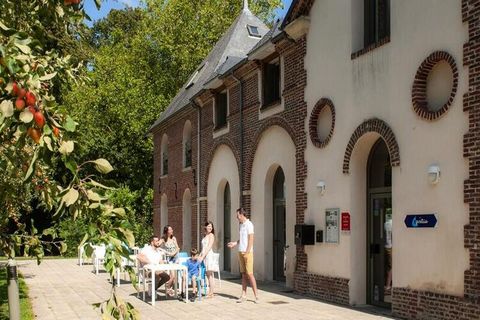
point(98, 257)
point(125, 263)
point(215, 267)
point(81, 253)
point(140, 279)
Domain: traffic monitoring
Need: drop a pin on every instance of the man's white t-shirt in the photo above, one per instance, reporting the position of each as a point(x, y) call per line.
point(153, 255)
point(246, 228)
point(388, 233)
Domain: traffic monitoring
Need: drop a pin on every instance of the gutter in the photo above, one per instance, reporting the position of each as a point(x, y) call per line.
point(289, 12)
point(199, 123)
point(241, 138)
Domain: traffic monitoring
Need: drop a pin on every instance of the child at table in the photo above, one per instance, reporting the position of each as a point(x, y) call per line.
point(193, 266)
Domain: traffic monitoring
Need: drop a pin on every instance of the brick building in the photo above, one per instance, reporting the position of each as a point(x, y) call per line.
point(357, 117)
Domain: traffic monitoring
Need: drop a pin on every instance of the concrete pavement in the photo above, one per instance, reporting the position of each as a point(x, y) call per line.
point(60, 289)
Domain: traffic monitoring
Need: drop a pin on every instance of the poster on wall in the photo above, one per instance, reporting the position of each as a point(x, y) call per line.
point(331, 225)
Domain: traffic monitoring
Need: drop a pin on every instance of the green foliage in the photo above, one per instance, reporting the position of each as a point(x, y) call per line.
point(137, 206)
point(182, 33)
point(26, 312)
point(38, 139)
point(139, 60)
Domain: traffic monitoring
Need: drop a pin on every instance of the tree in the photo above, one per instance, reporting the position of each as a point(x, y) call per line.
point(182, 32)
point(139, 60)
point(36, 131)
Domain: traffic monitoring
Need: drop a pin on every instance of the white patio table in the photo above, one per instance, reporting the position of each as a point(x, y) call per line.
point(153, 268)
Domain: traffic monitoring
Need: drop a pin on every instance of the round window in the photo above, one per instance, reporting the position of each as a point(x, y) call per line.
point(435, 85)
point(322, 123)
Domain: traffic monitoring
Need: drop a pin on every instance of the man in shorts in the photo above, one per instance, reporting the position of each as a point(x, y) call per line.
point(245, 255)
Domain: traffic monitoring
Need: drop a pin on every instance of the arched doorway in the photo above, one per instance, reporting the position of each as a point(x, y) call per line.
point(279, 224)
point(379, 226)
point(227, 225)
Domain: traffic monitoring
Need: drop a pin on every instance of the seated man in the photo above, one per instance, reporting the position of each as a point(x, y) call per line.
point(152, 254)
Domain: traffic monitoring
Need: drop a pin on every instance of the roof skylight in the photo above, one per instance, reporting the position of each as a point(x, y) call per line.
point(194, 78)
point(253, 31)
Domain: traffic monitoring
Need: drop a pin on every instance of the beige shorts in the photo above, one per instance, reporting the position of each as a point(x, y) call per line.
point(246, 262)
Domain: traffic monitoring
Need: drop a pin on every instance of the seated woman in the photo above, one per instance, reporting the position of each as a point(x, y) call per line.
point(169, 244)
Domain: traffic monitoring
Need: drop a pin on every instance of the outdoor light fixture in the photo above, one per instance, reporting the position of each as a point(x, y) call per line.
point(321, 186)
point(433, 174)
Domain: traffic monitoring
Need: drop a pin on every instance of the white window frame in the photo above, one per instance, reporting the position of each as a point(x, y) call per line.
point(279, 107)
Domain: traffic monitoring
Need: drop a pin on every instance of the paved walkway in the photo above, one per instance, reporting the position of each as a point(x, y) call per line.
point(60, 289)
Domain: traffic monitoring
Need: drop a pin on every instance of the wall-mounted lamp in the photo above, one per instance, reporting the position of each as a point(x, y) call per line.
point(433, 174)
point(321, 186)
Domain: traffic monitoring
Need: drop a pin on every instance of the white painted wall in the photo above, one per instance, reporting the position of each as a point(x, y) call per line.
point(275, 149)
point(378, 84)
point(223, 168)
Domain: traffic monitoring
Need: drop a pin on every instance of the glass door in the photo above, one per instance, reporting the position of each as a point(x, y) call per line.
point(379, 249)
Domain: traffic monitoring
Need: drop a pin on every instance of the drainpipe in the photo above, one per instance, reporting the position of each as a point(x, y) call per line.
point(199, 123)
point(241, 138)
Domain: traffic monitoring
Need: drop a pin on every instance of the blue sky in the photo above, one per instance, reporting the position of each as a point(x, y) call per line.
point(120, 4)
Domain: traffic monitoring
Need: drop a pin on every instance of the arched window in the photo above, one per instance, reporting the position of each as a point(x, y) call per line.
point(187, 144)
point(164, 151)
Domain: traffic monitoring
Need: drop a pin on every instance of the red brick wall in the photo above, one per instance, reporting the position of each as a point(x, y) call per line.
point(177, 180)
point(471, 143)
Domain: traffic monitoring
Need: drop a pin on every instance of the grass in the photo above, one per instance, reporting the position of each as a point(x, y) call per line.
point(25, 305)
point(3, 258)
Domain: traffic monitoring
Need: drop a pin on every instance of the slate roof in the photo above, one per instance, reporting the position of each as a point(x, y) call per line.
point(271, 34)
point(230, 50)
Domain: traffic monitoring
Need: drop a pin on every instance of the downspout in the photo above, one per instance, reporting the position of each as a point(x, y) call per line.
point(241, 139)
point(199, 123)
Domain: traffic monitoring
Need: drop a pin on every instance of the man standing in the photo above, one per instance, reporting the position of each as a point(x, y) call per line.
point(152, 254)
point(245, 255)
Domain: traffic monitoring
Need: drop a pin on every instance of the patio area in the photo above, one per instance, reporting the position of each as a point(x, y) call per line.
point(60, 289)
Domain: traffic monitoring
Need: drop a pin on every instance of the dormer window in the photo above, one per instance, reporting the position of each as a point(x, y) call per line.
point(194, 78)
point(271, 83)
point(253, 31)
point(221, 110)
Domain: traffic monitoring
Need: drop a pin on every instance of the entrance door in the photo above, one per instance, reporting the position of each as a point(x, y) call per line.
point(226, 228)
point(279, 232)
point(380, 261)
point(379, 222)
